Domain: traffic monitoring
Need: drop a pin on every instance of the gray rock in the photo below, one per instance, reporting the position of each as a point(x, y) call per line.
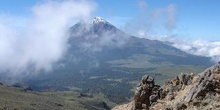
point(146, 93)
point(181, 106)
point(153, 98)
point(150, 80)
point(170, 97)
point(206, 84)
point(167, 107)
point(144, 79)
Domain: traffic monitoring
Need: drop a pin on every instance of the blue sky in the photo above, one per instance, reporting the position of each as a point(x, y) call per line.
point(196, 19)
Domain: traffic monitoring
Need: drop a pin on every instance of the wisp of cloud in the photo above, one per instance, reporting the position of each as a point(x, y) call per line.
point(150, 21)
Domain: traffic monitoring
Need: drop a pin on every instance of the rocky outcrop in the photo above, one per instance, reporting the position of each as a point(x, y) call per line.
point(146, 93)
point(184, 92)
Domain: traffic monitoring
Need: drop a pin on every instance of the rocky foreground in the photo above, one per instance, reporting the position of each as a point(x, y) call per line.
point(184, 92)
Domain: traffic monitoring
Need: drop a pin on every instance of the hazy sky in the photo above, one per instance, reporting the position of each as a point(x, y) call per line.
point(197, 19)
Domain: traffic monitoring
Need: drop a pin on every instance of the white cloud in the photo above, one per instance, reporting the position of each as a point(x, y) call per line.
point(141, 33)
point(195, 47)
point(167, 15)
point(171, 16)
point(42, 40)
point(202, 48)
point(107, 39)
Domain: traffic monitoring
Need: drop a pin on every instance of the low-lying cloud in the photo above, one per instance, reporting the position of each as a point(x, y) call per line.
point(107, 40)
point(201, 47)
point(40, 39)
point(195, 47)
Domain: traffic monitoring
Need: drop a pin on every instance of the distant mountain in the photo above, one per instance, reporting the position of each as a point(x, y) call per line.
point(101, 37)
point(103, 59)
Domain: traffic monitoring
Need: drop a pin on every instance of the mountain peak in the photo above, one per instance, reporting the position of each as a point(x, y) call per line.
point(94, 20)
point(95, 25)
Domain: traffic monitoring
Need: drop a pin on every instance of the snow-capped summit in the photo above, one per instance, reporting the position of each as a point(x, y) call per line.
point(98, 20)
point(94, 20)
point(95, 25)
point(95, 29)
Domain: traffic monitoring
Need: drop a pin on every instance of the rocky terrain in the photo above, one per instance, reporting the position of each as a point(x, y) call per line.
point(184, 92)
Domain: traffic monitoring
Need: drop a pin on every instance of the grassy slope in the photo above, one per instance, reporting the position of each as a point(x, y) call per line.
point(16, 98)
point(161, 70)
point(172, 71)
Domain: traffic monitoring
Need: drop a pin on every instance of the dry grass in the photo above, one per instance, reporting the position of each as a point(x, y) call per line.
point(18, 99)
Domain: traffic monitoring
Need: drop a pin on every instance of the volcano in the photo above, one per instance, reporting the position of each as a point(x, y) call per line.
point(103, 59)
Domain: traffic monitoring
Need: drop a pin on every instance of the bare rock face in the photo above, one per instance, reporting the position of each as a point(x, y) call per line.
point(208, 85)
point(184, 92)
point(191, 92)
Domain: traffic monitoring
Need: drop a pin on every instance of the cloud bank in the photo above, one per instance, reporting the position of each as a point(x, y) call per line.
point(201, 47)
point(195, 47)
point(40, 39)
